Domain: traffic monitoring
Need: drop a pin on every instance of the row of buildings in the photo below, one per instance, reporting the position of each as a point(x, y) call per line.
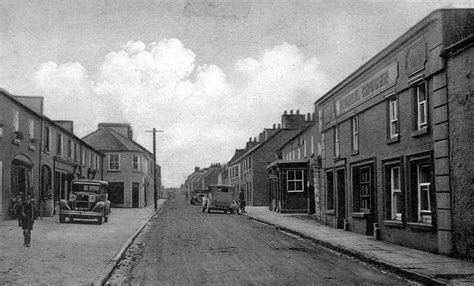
point(388, 152)
point(41, 157)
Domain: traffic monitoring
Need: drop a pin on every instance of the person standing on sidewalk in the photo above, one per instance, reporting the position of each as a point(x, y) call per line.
point(242, 201)
point(26, 217)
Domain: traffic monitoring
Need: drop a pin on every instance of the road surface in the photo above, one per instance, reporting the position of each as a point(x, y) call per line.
point(184, 246)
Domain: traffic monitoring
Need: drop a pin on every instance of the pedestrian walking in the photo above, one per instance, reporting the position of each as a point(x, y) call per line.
point(242, 201)
point(26, 217)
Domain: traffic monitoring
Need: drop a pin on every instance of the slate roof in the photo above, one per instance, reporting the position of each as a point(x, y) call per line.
point(106, 139)
point(258, 146)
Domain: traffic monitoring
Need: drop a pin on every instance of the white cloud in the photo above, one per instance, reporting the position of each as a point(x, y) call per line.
point(205, 115)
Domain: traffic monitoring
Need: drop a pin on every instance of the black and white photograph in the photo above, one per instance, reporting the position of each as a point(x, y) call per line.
point(236, 142)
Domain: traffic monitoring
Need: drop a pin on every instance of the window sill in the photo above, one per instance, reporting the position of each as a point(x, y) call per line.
point(393, 140)
point(361, 215)
point(421, 226)
point(355, 153)
point(113, 171)
point(420, 132)
point(301, 191)
point(393, 223)
point(330, 212)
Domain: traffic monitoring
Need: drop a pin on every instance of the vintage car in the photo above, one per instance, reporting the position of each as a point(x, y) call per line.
point(197, 196)
point(220, 197)
point(88, 200)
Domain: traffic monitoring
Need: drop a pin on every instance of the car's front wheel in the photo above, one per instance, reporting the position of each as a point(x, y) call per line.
point(100, 220)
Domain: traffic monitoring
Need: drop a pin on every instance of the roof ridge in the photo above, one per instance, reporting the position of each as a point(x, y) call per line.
point(114, 135)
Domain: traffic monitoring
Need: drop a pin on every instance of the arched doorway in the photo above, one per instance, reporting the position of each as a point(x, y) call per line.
point(21, 181)
point(21, 176)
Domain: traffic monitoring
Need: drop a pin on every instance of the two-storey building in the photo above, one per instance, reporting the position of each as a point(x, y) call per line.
point(41, 155)
point(387, 139)
point(128, 166)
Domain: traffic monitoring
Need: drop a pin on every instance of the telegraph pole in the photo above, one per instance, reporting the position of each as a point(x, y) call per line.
point(154, 167)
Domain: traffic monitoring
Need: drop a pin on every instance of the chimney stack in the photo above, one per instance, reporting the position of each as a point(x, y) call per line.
point(274, 125)
point(285, 113)
point(297, 112)
point(308, 116)
point(279, 125)
point(291, 111)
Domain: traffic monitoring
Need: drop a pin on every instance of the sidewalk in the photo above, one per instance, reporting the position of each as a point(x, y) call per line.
point(78, 253)
point(420, 266)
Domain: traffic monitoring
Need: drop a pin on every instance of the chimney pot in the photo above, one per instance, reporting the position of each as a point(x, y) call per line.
point(279, 125)
point(274, 125)
point(297, 112)
point(250, 139)
point(254, 139)
point(285, 113)
point(308, 116)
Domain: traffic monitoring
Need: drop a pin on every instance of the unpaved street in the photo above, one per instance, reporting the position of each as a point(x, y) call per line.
point(184, 246)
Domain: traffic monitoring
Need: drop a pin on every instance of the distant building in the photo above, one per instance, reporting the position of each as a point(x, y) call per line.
point(253, 176)
point(294, 175)
point(128, 166)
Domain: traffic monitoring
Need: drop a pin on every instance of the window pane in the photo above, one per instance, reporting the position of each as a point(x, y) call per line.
point(291, 175)
point(425, 197)
point(291, 186)
point(299, 185)
point(424, 171)
point(421, 92)
point(299, 175)
point(396, 178)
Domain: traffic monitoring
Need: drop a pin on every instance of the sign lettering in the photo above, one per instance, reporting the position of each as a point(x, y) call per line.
point(374, 85)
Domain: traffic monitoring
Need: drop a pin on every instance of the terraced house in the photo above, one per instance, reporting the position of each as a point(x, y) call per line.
point(39, 156)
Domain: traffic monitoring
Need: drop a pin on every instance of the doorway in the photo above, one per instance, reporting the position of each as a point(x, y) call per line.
point(135, 195)
point(341, 197)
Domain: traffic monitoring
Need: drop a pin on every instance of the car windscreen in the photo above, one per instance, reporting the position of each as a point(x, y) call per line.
point(85, 188)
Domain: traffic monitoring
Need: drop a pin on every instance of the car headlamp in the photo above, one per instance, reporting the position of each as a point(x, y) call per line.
point(91, 198)
point(72, 197)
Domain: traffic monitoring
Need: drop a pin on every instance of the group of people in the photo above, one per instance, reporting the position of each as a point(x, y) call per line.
point(239, 206)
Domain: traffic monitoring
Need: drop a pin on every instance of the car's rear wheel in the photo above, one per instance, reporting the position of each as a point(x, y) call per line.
point(62, 219)
point(71, 219)
point(208, 210)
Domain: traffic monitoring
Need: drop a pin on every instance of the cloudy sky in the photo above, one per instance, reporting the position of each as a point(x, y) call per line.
point(209, 74)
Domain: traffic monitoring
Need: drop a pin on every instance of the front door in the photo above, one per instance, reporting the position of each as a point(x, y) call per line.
point(135, 195)
point(341, 197)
